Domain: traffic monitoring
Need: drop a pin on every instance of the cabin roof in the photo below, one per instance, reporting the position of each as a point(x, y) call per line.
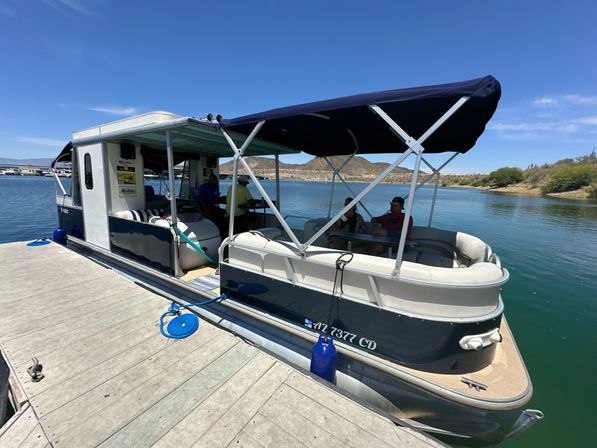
point(347, 125)
point(189, 135)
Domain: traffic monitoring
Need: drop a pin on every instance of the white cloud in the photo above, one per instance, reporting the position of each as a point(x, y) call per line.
point(516, 136)
point(545, 102)
point(588, 120)
point(523, 127)
point(567, 127)
point(579, 99)
point(120, 111)
point(78, 6)
point(41, 141)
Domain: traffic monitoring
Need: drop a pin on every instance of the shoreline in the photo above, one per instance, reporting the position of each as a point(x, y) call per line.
point(581, 194)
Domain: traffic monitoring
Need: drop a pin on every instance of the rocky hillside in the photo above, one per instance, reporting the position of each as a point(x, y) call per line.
point(358, 169)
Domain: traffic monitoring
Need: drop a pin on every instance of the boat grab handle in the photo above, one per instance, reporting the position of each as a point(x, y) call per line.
point(495, 259)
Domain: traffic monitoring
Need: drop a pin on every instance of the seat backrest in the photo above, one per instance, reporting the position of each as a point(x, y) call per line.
point(139, 215)
point(312, 226)
point(149, 193)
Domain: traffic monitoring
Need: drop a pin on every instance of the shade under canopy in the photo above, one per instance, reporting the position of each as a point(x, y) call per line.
point(345, 125)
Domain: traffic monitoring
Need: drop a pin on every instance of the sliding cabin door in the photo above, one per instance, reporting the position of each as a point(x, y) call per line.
point(92, 178)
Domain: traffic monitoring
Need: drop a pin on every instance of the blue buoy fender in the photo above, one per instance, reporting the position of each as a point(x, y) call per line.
point(60, 235)
point(323, 358)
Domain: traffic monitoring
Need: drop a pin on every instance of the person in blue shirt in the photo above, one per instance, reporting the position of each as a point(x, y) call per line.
point(209, 197)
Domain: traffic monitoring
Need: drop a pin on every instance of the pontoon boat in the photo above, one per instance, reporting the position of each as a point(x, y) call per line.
point(420, 336)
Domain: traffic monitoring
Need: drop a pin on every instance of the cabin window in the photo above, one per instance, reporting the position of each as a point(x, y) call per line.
point(88, 174)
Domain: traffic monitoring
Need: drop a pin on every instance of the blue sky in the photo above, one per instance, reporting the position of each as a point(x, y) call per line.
point(70, 64)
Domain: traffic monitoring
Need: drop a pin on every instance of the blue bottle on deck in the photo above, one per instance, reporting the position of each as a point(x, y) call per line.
point(60, 235)
point(323, 358)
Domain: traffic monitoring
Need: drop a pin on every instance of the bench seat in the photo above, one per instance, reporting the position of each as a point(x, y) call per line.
point(420, 290)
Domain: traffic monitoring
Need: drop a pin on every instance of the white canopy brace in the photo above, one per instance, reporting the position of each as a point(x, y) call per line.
point(239, 158)
point(414, 146)
point(358, 197)
point(277, 158)
point(347, 185)
point(238, 153)
point(436, 174)
point(335, 172)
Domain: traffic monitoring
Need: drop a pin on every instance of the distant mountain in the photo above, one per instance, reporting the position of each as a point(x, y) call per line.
point(358, 169)
point(34, 162)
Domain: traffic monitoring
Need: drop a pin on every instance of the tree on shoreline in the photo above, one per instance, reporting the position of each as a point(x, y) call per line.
point(505, 176)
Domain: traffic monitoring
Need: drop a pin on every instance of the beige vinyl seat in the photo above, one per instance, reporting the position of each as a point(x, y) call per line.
point(420, 289)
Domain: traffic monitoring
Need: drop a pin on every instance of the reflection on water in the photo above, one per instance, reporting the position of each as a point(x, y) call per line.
point(560, 212)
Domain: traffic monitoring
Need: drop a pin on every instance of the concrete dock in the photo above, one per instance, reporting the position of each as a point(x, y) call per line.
point(112, 380)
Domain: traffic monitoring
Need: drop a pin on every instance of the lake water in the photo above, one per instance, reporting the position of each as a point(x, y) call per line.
point(549, 246)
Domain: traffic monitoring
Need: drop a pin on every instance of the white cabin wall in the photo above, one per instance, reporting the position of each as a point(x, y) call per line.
point(125, 196)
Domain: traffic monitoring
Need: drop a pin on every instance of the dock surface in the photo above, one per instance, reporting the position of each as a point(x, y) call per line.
point(112, 380)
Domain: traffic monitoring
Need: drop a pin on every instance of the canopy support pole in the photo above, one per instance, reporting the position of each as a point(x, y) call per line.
point(277, 158)
point(331, 193)
point(232, 198)
point(237, 153)
point(173, 215)
point(336, 172)
point(407, 214)
point(239, 158)
point(416, 147)
point(358, 197)
point(346, 184)
point(433, 200)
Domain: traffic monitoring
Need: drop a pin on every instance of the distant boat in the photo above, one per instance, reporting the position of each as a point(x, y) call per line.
point(11, 172)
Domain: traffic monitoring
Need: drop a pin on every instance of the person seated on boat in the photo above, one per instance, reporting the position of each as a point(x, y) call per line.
point(352, 222)
point(390, 224)
point(208, 197)
point(244, 200)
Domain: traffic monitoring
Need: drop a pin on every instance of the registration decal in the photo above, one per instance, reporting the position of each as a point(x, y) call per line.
point(343, 335)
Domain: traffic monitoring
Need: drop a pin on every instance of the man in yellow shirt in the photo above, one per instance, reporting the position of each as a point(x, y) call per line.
point(243, 201)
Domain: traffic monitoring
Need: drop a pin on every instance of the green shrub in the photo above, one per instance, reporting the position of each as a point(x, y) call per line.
point(593, 192)
point(505, 176)
point(568, 178)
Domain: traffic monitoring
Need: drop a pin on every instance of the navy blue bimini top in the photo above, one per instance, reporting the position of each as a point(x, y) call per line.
point(343, 125)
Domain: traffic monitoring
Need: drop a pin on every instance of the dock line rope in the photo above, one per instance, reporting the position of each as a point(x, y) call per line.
point(341, 263)
point(183, 325)
point(195, 246)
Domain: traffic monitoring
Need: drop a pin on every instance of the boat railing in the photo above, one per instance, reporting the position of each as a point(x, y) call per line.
point(495, 259)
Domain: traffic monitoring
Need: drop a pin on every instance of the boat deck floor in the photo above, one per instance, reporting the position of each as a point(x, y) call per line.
point(112, 379)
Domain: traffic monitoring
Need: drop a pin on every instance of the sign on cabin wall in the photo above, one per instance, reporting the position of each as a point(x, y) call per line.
point(127, 178)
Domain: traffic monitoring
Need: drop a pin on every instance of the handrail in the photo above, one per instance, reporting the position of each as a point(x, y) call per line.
point(495, 259)
point(297, 216)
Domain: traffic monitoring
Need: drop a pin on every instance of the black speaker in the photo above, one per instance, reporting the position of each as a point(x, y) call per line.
point(127, 151)
point(212, 162)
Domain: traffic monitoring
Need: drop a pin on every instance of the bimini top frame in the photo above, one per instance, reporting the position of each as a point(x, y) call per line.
point(448, 117)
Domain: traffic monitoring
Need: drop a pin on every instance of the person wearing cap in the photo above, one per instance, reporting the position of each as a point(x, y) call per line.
point(391, 224)
point(244, 200)
point(351, 221)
